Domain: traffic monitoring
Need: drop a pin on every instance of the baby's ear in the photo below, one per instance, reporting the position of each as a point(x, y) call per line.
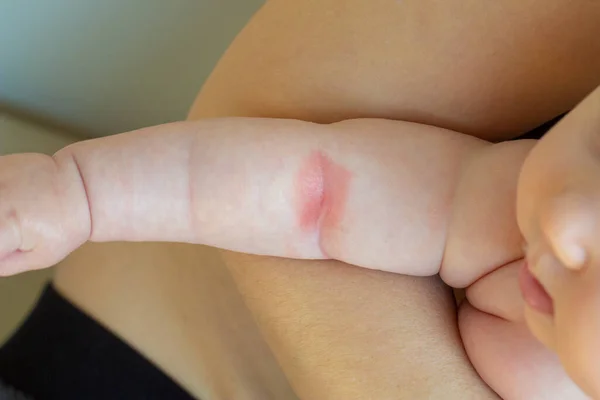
point(569, 223)
point(558, 197)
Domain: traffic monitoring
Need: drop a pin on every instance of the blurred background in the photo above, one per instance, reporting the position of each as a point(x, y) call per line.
point(75, 69)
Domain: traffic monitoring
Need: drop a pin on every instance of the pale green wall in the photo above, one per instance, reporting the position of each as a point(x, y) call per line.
point(108, 66)
point(19, 136)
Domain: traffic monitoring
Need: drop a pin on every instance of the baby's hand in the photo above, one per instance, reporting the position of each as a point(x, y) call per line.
point(559, 215)
point(43, 211)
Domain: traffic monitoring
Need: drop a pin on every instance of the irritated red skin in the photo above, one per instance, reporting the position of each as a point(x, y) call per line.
point(321, 190)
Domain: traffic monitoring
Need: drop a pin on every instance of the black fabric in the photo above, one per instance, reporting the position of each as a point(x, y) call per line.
point(9, 393)
point(61, 353)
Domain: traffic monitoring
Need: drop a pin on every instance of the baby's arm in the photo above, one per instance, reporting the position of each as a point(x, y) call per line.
point(402, 198)
point(405, 198)
point(278, 187)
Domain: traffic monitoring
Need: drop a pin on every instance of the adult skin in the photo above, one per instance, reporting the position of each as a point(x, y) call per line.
point(327, 61)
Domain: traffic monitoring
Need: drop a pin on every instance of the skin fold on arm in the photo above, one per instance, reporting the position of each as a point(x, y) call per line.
point(337, 331)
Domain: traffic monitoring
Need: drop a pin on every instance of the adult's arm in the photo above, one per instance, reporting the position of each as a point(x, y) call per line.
point(492, 70)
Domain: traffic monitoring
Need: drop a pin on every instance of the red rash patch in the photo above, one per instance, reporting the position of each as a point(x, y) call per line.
point(321, 191)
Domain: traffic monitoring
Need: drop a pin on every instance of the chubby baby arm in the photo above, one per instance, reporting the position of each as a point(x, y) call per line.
point(277, 187)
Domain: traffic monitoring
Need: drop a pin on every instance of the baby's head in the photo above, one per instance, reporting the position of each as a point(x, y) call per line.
point(558, 210)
